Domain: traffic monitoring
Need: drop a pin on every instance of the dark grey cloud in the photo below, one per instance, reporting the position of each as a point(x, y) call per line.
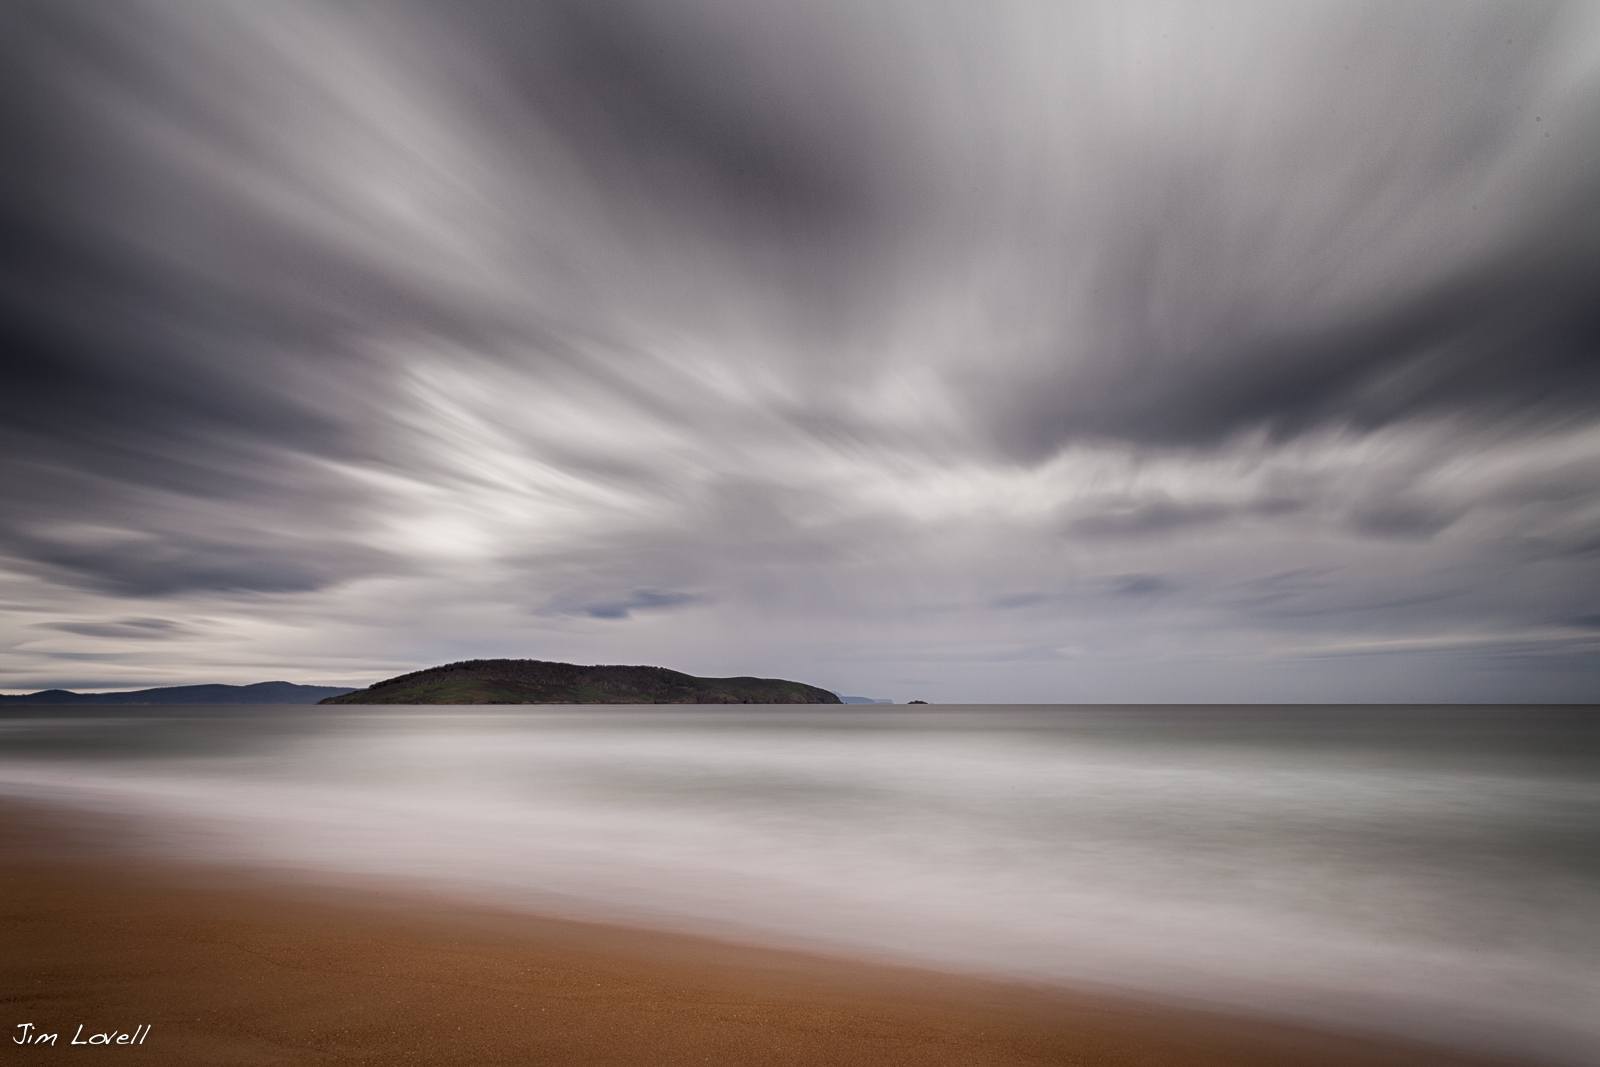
point(1522, 344)
point(135, 629)
point(1118, 586)
point(668, 108)
point(792, 338)
point(1399, 517)
point(637, 600)
point(1140, 585)
point(173, 564)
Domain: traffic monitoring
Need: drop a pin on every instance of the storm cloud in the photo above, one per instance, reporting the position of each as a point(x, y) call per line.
point(971, 351)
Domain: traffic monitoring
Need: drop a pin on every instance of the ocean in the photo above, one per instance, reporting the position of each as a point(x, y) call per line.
point(1421, 871)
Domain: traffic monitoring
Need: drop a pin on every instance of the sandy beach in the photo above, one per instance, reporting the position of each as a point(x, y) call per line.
point(222, 968)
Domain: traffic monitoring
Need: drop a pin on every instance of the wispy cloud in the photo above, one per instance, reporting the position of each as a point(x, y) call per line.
point(803, 339)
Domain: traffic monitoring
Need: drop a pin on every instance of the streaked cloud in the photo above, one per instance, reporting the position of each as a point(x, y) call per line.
point(1006, 351)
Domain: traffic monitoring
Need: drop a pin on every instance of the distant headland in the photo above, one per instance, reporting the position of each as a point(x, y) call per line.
point(260, 693)
point(531, 681)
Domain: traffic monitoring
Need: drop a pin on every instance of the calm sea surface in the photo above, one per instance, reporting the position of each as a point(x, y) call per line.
point(1432, 871)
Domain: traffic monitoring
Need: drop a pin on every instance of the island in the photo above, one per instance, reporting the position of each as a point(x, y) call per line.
point(531, 681)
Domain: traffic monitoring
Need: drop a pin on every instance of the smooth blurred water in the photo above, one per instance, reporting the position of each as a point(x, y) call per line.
point(1432, 871)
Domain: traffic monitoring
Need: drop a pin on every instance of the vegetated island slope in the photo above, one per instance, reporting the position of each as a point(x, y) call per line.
point(531, 681)
point(260, 693)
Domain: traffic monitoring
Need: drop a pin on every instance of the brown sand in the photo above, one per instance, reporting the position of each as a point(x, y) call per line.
point(228, 971)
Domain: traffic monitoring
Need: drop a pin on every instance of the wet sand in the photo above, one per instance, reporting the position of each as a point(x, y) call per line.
point(229, 969)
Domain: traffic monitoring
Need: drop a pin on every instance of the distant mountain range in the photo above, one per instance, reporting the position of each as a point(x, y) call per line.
point(531, 681)
point(862, 700)
point(260, 693)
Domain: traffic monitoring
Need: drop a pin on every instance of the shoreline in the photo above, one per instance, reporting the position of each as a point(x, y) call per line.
point(225, 967)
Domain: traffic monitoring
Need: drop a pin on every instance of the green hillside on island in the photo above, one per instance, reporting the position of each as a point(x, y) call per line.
point(531, 681)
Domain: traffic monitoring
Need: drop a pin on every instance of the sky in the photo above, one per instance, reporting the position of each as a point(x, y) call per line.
point(965, 351)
